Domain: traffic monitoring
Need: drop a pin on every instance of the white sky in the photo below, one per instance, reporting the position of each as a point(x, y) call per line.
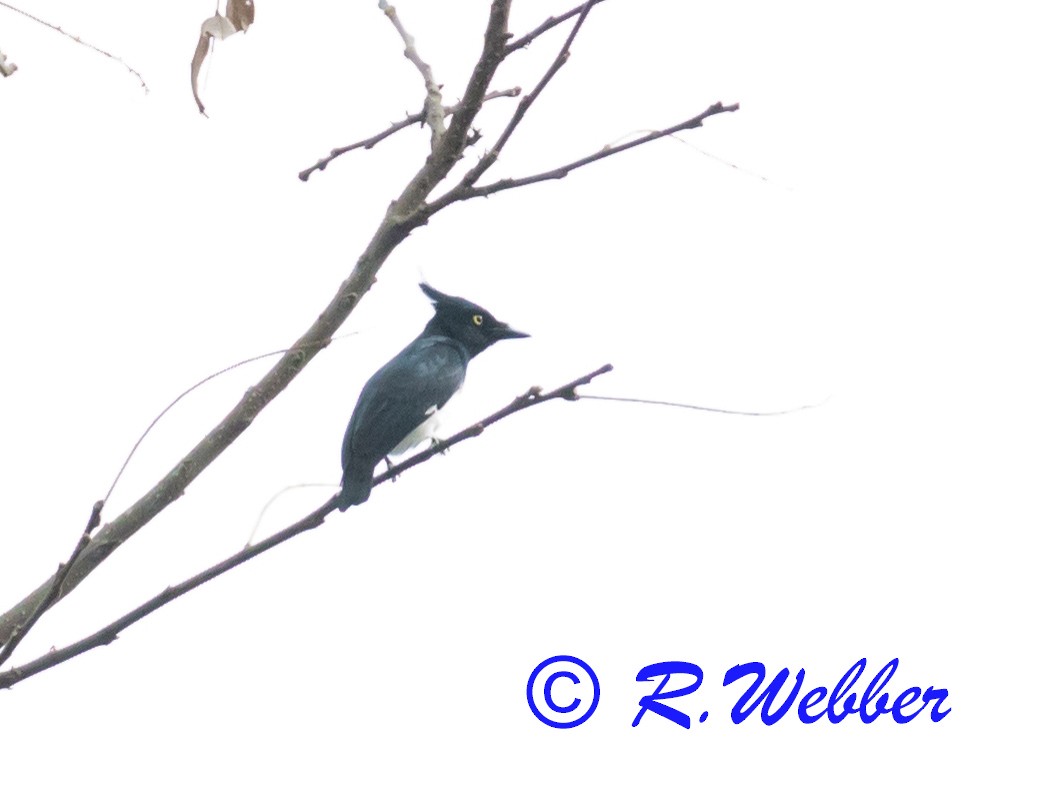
point(881, 245)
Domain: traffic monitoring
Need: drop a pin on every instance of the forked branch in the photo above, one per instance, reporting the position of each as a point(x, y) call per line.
point(520, 42)
point(6, 650)
point(464, 190)
point(395, 127)
point(492, 154)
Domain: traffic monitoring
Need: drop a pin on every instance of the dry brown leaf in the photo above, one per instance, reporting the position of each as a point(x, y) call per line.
point(197, 62)
point(217, 26)
point(239, 14)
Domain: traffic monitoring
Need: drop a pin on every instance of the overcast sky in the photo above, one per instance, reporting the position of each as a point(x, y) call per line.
point(865, 234)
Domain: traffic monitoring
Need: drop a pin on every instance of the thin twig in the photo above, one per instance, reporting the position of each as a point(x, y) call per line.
point(544, 27)
point(23, 629)
point(78, 40)
point(711, 156)
point(433, 96)
point(461, 191)
point(198, 384)
point(274, 498)
point(314, 519)
point(701, 408)
point(395, 127)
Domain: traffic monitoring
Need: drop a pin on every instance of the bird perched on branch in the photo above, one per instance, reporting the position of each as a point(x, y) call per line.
point(398, 406)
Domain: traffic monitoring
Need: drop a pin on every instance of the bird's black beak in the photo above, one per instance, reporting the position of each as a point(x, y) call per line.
point(506, 332)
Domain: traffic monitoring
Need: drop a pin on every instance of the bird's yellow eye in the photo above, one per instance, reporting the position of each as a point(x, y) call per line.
point(477, 320)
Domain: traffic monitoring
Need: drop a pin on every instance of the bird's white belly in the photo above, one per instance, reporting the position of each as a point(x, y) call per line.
point(426, 431)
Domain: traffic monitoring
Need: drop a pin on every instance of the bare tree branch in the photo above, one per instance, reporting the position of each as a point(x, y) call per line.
point(464, 191)
point(433, 109)
point(107, 634)
point(546, 26)
point(78, 40)
point(395, 127)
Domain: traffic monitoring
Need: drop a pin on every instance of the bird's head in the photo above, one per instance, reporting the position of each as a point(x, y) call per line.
point(466, 322)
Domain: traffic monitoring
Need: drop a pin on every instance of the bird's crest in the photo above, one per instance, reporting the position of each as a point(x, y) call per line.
point(435, 296)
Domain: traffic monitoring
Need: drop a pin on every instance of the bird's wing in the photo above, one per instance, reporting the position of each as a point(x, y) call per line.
point(400, 396)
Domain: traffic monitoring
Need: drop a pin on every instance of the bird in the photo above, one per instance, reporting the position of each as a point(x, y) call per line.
point(398, 406)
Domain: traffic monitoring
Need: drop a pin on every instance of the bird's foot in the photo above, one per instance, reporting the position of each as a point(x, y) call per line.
point(436, 442)
point(388, 466)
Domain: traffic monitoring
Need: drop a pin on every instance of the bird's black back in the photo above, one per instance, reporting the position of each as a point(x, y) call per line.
point(397, 399)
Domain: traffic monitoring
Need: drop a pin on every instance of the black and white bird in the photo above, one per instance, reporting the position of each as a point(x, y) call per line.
point(398, 406)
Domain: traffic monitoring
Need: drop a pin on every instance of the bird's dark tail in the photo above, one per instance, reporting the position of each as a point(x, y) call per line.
point(355, 487)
